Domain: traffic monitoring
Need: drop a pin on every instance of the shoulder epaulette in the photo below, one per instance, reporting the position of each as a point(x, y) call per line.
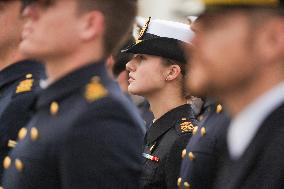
point(95, 90)
point(184, 126)
point(25, 85)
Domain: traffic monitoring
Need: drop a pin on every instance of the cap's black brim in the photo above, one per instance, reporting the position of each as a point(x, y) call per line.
point(160, 46)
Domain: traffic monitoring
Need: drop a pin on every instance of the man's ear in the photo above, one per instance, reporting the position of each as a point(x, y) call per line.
point(93, 25)
point(271, 42)
point(173, 72)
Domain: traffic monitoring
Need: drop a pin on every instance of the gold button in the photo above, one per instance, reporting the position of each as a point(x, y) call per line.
point(219, 108)
point(183, 154)
point(28, 76)
point(183, 119)
point(191, 156)
point(54, 107)
point(203, 131)
point(34, 134)
point(195, 130)
point(186, 185)
point(11, 144)
point(22, 133)
point(179, 182)
point(7, 162)
point(19, 165)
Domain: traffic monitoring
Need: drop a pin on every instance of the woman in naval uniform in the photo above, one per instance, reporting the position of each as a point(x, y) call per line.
point(157, 73)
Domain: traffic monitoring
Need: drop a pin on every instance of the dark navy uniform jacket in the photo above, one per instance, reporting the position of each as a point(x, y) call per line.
point(85, 134)
point(201, 156)
point(19, 84)
point(164, 142)
point(261, 166)
point(145, 112)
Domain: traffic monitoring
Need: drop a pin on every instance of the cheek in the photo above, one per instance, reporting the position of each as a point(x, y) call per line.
point(59, 33)
point(209, 63)
point(215, 50)
point(219, 53)
point(197, 76)
point(12, 27)
point(56, 38)
point(147, 79)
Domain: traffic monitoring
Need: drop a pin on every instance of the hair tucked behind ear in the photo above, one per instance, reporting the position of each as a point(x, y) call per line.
point(169, 62)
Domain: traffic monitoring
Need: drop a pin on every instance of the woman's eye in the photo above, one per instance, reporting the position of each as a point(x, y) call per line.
point(142, 57)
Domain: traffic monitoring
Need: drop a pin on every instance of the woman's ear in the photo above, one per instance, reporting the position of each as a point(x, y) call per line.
point(173, 72)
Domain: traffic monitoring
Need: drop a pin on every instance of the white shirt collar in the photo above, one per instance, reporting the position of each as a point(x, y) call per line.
point(246, 124)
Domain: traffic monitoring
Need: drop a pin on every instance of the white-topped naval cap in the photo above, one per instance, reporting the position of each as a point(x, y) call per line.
point(162, 38)
point(170, 29)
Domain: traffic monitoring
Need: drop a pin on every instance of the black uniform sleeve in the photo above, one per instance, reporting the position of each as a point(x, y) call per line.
point(174, 160)
point(103, 150)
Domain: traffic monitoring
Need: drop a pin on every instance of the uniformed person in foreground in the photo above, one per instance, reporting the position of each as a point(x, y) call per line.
point(238, 58)
point(19, 78)
point(203, 152)
point(157, 73)
point(85, 133)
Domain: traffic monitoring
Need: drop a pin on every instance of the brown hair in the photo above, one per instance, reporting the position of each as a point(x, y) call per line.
point(119, 19)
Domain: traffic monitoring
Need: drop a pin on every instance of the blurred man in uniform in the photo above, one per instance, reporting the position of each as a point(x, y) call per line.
point(19, 78)
point(85, 133)
point(202, 153)
point(238, 58)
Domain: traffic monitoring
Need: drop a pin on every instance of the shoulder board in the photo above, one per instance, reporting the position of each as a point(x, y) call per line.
point(95, 90)
point(25, 85)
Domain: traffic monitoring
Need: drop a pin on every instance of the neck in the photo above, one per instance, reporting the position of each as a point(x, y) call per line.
point(9, 57)
point(59, 67)
point(240, 99)
point(163, 101)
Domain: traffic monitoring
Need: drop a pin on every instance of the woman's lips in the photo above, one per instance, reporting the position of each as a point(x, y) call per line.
point(131, 79)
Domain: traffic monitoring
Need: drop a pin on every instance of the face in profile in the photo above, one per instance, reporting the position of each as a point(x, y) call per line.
point(51, 30)
point(222, 58)
point(146, 74)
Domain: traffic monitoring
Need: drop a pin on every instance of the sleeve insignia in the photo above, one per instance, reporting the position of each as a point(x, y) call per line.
point(95, 90)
